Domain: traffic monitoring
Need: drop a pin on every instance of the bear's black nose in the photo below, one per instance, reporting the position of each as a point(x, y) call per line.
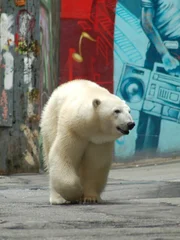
point(131, 125)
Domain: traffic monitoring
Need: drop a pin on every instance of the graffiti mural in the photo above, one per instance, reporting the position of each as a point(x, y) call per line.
point(6, 68)
point(19, 75)
point(86, 42)
point(147, 73)
point(132, 49)
point(49, 27)
point(49, 42)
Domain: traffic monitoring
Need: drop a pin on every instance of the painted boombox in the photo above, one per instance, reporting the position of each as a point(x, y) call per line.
point(153, 92)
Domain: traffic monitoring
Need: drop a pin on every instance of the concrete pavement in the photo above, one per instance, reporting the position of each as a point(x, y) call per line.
point(142, 203)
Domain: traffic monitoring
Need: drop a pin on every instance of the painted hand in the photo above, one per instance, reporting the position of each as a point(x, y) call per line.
point(171, 64)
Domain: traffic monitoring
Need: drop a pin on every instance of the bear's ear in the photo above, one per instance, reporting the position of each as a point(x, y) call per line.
point(96, 102)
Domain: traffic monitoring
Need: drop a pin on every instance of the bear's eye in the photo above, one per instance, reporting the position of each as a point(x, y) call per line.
point(117, 111)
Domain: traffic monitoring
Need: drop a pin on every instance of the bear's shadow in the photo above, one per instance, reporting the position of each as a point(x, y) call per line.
point(94, 204)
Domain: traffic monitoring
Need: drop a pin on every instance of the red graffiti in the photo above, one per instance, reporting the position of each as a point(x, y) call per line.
point(2, 65)
point(86, 49)
point(4, 104)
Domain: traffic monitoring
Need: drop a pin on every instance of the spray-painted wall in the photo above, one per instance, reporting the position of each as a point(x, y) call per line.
point(49, 26)
point(29, 71)
point(147, 74)
point(115, 44)
point(107, 41)
point(86, 46)
point(19, 94)
point(49, 41)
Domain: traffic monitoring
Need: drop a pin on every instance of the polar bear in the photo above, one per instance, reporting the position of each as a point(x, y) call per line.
point(79, 125)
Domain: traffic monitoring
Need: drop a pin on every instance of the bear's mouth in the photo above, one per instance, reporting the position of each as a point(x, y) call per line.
point(125, 132)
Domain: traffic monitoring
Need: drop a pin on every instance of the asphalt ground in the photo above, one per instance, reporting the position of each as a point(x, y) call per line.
point(140, 203)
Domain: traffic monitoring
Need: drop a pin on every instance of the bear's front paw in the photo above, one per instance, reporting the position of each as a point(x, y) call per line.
point(90, 200)
point(56, 199)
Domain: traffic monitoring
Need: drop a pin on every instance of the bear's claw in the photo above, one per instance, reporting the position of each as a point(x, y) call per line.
point(89, 200)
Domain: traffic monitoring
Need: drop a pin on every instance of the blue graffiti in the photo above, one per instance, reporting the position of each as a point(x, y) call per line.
point(149, 80)
point(121, 141)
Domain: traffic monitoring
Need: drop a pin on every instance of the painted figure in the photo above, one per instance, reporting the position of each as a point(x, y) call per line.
point(161, 23)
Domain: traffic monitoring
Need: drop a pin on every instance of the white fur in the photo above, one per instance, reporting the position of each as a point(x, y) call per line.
point(78, 127)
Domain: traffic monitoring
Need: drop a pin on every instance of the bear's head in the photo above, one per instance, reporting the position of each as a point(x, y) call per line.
point(113, 118)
